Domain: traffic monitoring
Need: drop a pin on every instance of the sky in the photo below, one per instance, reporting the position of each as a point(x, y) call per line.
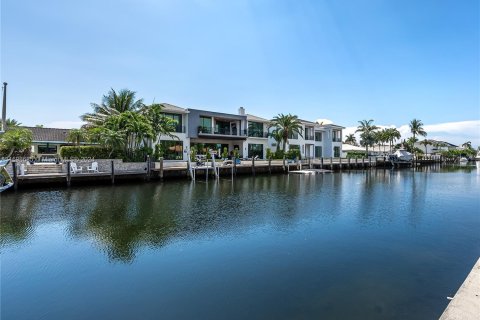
point(343, 60)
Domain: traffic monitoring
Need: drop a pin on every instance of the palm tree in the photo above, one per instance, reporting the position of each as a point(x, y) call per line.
point(287, 125)
point(112, 139)
point(161, 124)
point(367, 130)
point(416, 128)
point(12, 123)
point(277, 136)
point(425, 143)
point(76, 136)
point(393, 135)
point(350, 139)
point(17, 139)
point(112, 104)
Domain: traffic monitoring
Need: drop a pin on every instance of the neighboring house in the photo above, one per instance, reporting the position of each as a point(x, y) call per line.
point(215, 131)
point(175, 148)
point(317, 140)
point(47, 141)
point(435, 146)
point(257, 136)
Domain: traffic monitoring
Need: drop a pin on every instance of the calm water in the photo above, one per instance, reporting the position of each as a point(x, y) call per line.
point(369, 245)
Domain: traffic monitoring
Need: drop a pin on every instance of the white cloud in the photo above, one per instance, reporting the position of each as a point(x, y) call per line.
point(64, 124)
point(454, 132)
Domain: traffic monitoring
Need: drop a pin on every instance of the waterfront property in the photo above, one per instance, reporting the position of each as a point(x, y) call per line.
point(375, 244)
point(48, 141)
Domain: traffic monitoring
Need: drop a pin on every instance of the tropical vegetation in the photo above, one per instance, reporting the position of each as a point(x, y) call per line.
point(15, 140)
point(284, 127)
point(367, 133)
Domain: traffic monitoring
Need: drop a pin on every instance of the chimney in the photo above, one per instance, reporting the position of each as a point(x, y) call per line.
point(241, 111)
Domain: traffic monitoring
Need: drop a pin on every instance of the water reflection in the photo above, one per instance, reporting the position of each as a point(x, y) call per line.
point(121, 220)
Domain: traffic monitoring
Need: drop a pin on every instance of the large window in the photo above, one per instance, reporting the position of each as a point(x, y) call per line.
point(255, 129)
point(292, 135)
point(204, 148)
point(318, 152)
point(178, 118)
point(171, 150)
point(47, 148)
point(336, 152)
point(205, 125)
point(337, 136)
point(318, 136)
point(308, 134)
point(255, 150)
point(222, 127)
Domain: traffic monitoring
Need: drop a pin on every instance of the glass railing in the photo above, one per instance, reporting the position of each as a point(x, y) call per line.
point(179, 129)
point(309, 137)
point(222, 131)
point(257, 134)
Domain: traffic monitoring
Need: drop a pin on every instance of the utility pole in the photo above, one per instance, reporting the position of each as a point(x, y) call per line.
point(4, 108)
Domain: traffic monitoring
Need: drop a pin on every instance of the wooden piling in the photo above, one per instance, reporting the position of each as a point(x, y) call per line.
point(69, 177)
point(349, 167)
point(321, 163)
point(148, 168)
point(161, 168)
point(15, 177)
point(270, 166)
point(253, 166)
point(112, 174)
point(235, 165)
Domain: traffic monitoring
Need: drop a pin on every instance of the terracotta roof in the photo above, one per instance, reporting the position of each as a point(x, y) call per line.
point(48, 134)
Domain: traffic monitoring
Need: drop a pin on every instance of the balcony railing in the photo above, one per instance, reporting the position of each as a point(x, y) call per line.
point(309, 137)
point(337, 139)
point(179, 129)
point(257, 134)
point(224, 132)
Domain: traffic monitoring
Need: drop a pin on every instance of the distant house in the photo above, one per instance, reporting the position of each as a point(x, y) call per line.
point(47, 141)
point(435, 146)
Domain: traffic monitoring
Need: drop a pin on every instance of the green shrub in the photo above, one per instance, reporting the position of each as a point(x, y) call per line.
point(279, 154)
point(95, 152)
point(293, 154)
point(356, 154)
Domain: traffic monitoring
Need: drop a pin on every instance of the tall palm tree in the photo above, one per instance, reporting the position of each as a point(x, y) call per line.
point(367, 130)
point(112, 139)
point(467, 145)
point(350, 139)
point(277, 136)
point(161, 125)
point(287, 125)
point(393, 135)
point(112, 104)
point(416, 128)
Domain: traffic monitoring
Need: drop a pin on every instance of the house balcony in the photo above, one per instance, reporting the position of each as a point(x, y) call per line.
point(310, 137)
point(232, 133)
point(257, 134)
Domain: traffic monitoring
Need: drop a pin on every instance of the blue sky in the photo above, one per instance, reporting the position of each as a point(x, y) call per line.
point(344, 60)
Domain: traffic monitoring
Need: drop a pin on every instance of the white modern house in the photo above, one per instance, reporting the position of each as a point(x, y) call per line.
point(249, 134)
point(317, 140)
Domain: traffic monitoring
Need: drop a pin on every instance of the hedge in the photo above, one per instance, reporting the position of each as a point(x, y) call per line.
point(96, 152)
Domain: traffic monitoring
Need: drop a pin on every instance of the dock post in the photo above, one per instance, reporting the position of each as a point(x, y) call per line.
point(331, 163)
point(321, 163)
point(112, 174)
point(235, 165)
point(356, 163)
point(148, 167)
point(270, 166)
point(232, 169)
point(349, 167)
point(363, 163)
point(161, 168)
point(340, 163)
point(283, 163)
point(15, 178)
point(253, 166)
point(369, 162)
point(69, 177)
point(309, 163)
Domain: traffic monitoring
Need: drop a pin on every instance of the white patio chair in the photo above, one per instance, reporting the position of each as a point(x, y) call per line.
point(93, 167)
point(74, 168)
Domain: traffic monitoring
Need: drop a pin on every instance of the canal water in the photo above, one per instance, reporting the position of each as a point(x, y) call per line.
point(378, 244)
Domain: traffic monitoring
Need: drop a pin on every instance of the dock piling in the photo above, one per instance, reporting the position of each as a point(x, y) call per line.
point(15, 178)
point(161, 168)
point(112, 174)
point(69, 177)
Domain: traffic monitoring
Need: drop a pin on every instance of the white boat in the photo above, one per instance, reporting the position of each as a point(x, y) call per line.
point(477, 157)
point(5, 179)
point(401, 155)
point(463, 160)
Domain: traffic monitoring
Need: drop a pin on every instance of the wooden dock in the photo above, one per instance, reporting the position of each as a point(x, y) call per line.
point(185, 169)
point(465, 305)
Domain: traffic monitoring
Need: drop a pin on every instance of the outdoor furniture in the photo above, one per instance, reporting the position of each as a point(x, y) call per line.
point(74, 168)
point(93, 167)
